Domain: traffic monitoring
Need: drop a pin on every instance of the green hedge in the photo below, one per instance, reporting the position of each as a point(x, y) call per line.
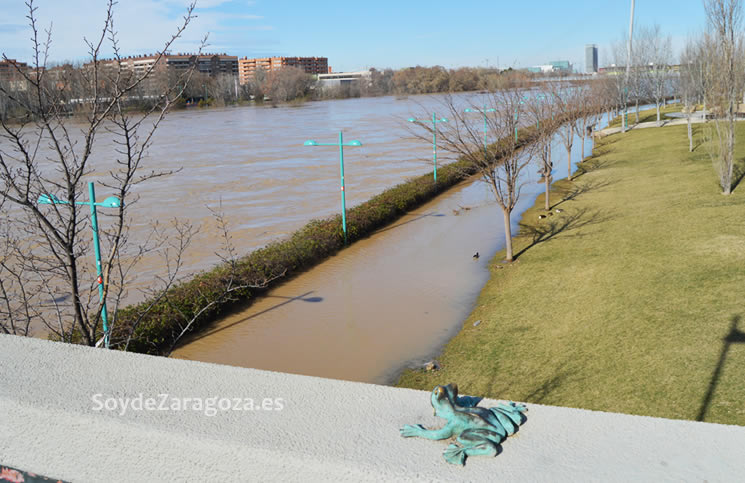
point(311, 244)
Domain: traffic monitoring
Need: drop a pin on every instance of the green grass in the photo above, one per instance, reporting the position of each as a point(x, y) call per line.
point(649, 115)
point(631, 300)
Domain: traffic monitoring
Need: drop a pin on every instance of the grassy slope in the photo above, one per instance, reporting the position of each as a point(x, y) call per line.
point(625, 303)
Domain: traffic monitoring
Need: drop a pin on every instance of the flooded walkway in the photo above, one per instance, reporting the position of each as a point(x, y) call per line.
point(385, 303)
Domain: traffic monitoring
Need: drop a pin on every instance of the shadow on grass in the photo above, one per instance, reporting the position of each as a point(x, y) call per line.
point(540, 393)
point(738, 173)
point(589, 164)
point(575, 191)
point(734, 336)
point(546, 230)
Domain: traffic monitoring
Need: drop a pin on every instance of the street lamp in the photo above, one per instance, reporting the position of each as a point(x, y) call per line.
point(434, 122)
point(483, 111)
point(110, 202)
point(341, 145)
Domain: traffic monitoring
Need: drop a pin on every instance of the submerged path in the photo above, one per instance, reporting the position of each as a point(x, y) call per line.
point(387, 302)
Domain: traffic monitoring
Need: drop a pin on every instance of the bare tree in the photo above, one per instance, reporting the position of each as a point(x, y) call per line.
point(688, 83)
point(726, 80)
point(564, 98)
point(502, 164)
point(46, 265)
point(656, 68)
point(543, 115)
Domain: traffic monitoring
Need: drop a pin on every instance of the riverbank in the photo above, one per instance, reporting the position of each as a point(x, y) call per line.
point(629, 300)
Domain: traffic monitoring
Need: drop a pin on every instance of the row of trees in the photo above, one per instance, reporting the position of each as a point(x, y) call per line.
point(708, 74)
point(501, 156)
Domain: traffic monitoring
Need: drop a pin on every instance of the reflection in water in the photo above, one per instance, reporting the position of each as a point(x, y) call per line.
point(386, 302)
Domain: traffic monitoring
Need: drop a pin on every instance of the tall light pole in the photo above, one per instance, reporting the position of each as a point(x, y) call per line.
point(483, 111)
point(628, 70)
point(341, 145)
point(434, 122)
point(110, 202)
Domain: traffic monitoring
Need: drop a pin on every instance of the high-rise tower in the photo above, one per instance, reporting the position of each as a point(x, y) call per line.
point(591, 58)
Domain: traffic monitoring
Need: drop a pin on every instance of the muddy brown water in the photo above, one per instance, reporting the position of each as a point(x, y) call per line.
point(388, 302)
point(252, 162)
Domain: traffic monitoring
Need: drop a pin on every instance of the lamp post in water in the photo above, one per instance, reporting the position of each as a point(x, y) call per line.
point(483, 111)
point(110, 202)
point(341, 145)
point(434, 122)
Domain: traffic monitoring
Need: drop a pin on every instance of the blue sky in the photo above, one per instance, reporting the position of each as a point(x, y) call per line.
point(357, 35)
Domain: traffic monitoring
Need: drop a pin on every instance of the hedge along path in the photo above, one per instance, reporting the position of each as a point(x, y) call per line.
point(154, 325)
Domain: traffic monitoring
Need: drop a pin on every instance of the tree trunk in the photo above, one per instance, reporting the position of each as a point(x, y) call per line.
point(637, 112)
point(658, 113)
point(546, 177)
point(690, 135)
point(730, 155)
point(72, 271)
point(507, 235)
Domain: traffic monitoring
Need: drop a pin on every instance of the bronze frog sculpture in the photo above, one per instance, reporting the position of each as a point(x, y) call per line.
point(478, 430)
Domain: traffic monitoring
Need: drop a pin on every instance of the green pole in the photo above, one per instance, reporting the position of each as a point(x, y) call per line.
point(343, 198)
point(434, 144)
point(97, 248)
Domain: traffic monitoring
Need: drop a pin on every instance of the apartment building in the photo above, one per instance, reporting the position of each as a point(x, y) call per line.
point(10, 75)
point(209, 64)
point(311, 65)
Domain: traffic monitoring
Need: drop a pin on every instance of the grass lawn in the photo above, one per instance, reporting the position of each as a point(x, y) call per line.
point(649, 115)
point(631, 300)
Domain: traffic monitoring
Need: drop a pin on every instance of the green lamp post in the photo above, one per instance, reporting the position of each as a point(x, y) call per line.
point(434, 122)
point(110, 202)
point(483, 111)
point(341, 145)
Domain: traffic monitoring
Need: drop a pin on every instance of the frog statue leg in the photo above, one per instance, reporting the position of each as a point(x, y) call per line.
point(409, 431)
point(474, 442)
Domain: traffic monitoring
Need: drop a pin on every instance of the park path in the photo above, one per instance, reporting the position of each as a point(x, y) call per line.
point(644, 125)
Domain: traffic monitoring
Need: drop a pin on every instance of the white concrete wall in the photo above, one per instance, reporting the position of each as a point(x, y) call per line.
point(327, 429)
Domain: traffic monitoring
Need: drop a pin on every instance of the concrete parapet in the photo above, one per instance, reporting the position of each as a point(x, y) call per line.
point(307, 428)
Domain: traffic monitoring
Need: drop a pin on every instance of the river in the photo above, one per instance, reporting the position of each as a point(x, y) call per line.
point(388, 302)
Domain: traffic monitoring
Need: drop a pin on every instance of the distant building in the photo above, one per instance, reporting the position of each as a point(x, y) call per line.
point(591, 58)
point(11, 74)
point(562, 66)
point(310, 65)
point(341, 78)
point(209, 64)
point(555, 66)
